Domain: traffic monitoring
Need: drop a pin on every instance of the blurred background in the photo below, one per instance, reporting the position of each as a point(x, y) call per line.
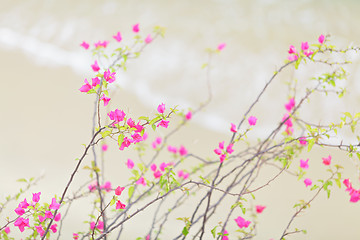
point(45, 118)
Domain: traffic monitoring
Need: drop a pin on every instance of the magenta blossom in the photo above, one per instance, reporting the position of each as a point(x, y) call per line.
point(130, 164)
point(304, 164)
point(327, 160)
point(221, 46)
point(117, 115)
point(7, 230)
point(233, 128)
point(225, 236)
point(105, 99)
point(289, 106)
point(104, 147)
point(161, 108)
point(21, 223)
point(95, 66)
point(36, 197)
point(107, 186)
point(85, 45)
point(40, 230)
point(54, 205)
point(293, 57)
point(136, 28)
point(302, 141)
point(141, 181)
point(252, 120)
point(120, 205)
point(86, 87)
point(259, 208)
point(157, 174)
point(148, 39)
point(242, 223)
point(57, 217)
point(109, 77)
point(188, 115)
point(119, 190)
point(118, 37)
point(307, 182)
point(292, 50)
point(182, 151)
point(321, 39)
point(304, 46)
point(163, 123)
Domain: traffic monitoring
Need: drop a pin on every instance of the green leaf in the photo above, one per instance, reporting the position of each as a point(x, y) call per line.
point(21, 180)
point(120, 139)
point(213, 231)
point(104, 134)
point(131, 191)
point(185, 231)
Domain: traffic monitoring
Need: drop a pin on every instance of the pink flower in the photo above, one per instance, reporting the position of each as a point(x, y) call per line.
point(221, 46)
point(41, 218)
point(57, 217)
point(307, 182)
point(137, 137)
point(101, 44)
point(242, 223)
point(120, 205)
point(107, 186)
point(136, 28)
point(118, 37)
point(304, 164)
point(109, 77)
point(163, 123)
point(86, 87)
point(217, 151)
point(19, 211)
point(302, 141)
point(92, 225)
point(40, 230)
point(308, 53)
point(259, 208)
point(157, 174)
point(100, 225)
point(188, 115)
point(95, 81)
point(172, 149)
point(321, 39)
point(182, 151)
point(104, 147)
point(24, 204)
point(229, 149)
point(148, 39)
point(141, 181)
point(130, 164)
point(95, 66)
point(304, 46)
point(85, 45)
point(48, 214)
point(75, 236)
point(327, 161)
point(54, 205)
point(233, 128)
point(7, 230)
point(288, 122)
point(161, 108)
point(147, 237)
point(252, 120)
point(185, 175)
point(292, 50)
point(117, 115)
point(221, 144)
point(105, 99)
point(225, 236)
point(355, 196)
point(21, 223)
point(290, 104)
point(153, 167)
point(293, 57)
point(36, 197)
point(119, 190)
point(222, 157)
point(163, 166)
point(92, 186)
point(158, 140)
point(180, 173)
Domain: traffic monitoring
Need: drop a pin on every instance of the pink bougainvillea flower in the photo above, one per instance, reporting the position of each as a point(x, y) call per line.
point(24, 204)
point(327, 160)
point(100, 225)
point(135, 28)
point(229, 149)
point(75, 236)
point(131, 123)
point(308, 53)
point(221, 144)
point(19, 211)
point(104, 147)
point(185, 175)
point(120, 205)
point(288, 121)
point(92, 225)
point(158, 140)
point(141, 181)
point(40, 230)
point(95, 66)
point(109, 76)
point(355, 196)
point(225, 236)
point(48, 214)
point(302, 141)
point(85, 45)
point(233, 128)
point(252, 120)
point(161, 108)
point(259, 208)
point(180, 173)
point(54, 205)
point(304, 164)
point(290, 104)
point(57, 217)
point(163, 123)
point(92, 186)
point(222, 157)
point(221, 46)
point(321, 39)
point(136, 138)
point(7, 230)
point(304, 46)
point(95, 81)
point(293, 57)
point(36, 197)
point(307, 182)
point(162, 166)
point(21, 223)
point(101, 44)
point(148, 39)
point(147, 237)
point(118, 37)
point(217, 151)
point(292, 50)
point(117, 115)
point(157, 174)
point(41, 218)
point(188, 115)
point(182, 151)
point(130, 164)
point(172, 149)
point(107, 186)
point(153, 167)
point(86, 87)
point(348, 184)
point(105, 99)
point(119, 190)
point(289, 130)
point(242, 223)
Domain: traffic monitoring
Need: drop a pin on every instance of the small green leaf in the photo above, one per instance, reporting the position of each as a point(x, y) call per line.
point(120, 139)
point(131, 191)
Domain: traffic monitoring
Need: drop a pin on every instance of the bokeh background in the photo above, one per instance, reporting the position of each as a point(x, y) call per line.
point(45, 119)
